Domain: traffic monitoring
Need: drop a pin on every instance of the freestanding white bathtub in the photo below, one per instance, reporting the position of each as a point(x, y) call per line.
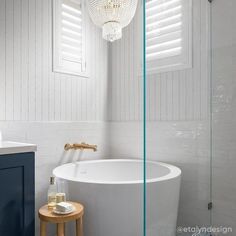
point(112, 192)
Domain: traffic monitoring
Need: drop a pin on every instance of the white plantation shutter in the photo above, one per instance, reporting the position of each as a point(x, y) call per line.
point(69, 37)
point(168, 35)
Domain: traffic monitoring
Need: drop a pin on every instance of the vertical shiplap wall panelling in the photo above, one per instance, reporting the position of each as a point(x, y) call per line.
point(2, 59)
point(158, 97)
point(175, 98)
point(125, 75)
point(109, 82)
point(163, 96)
point(128, 77)
point(29, 89)
point(98, 84)
point(169, 96)
point(32, 52)
point(88, 99)
point(178, 95)
point(182, 82)
point(122, 74)
point(58, 97)
point(112, 80)
point(102, 84)
point(148, 80)
point(25, 60)
point(68, 99)
point(51, 74)
point(39, 60)
point(83, 97)
point(91, 99)
point(139, 66)
point(131, 75)
point(135, 62)
point(105, 82)
point(116, 76)
point(96, 76)
point(197, 57)
point(74, 102)
point(45, 83)
point(119, 80)
point(17, 60)
point(189, 94)
point(9, 59)
point(150, 91)
point(205, 31)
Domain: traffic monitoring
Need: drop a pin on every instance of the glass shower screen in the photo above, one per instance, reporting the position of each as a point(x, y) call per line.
point(176, 113)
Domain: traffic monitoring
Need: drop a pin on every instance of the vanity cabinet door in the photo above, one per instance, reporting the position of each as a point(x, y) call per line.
point(17, 194)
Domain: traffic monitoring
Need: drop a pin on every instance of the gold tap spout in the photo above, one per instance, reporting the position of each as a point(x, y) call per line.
point(80, 146)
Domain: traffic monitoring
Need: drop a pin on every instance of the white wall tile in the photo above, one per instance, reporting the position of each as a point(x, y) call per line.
point(50, 138)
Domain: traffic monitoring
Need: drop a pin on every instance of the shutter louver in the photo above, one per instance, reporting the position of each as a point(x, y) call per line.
point(69, 37)
point(163, 29)
point(71, 33)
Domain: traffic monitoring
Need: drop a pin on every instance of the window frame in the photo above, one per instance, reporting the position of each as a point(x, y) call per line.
point(184, 60)
point(59, 65)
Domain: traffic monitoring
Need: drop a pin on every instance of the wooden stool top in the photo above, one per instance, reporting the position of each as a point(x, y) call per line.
point(47, 215)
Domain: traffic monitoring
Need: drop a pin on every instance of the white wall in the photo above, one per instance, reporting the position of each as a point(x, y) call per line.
point(177, 113)
point(42, 107)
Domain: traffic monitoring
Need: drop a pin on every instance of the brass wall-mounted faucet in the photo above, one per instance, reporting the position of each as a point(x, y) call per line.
point(80, 146)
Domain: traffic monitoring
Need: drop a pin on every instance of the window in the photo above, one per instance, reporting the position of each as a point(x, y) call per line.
point(69, 37)
point(168, 35)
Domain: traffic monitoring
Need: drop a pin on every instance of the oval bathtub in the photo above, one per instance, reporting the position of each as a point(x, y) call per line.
point(112, 192)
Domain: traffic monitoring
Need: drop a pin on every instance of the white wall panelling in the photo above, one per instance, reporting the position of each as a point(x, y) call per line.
point(29, 89)
point(176, 95)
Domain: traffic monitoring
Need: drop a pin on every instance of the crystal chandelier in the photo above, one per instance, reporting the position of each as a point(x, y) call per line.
point(112, 16)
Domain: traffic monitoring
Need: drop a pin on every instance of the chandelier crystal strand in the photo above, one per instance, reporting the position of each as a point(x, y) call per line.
point(112, 16)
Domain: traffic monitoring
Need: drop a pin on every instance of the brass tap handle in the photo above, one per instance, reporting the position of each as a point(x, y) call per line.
point(67, 147)
point(81, 146)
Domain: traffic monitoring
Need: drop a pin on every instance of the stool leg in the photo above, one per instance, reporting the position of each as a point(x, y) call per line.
point(79, 227)
point(60, 229)
point(42, 228)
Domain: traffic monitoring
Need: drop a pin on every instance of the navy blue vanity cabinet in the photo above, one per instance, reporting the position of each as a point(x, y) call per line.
point(17, 194)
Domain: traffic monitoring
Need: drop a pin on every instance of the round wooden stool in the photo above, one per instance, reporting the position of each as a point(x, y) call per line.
point(47, 216)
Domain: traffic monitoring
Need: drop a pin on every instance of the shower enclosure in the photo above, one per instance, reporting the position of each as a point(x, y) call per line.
point(223, 82)
point(178, 103)
point(190, 103)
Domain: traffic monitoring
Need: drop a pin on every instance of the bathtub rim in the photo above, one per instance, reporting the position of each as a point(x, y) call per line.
point(174, 172)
